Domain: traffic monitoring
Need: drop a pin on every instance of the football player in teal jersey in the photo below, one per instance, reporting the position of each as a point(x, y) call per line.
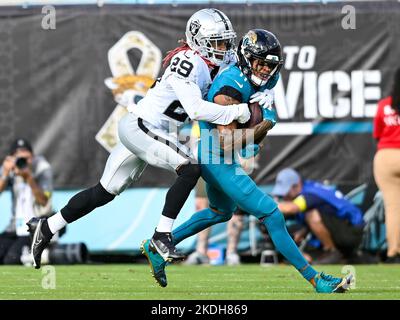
point(259, 59)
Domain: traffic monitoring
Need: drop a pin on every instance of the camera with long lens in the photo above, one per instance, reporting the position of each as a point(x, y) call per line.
point(21, 163)
point(72, 253)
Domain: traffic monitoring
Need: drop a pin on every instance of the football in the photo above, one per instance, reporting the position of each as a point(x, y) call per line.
point(255, 118)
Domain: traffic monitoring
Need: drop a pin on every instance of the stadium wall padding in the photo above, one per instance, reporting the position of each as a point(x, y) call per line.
point(120, 226)
point(52, 82)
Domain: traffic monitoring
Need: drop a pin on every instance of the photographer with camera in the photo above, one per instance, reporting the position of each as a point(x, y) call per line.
point(30, 179)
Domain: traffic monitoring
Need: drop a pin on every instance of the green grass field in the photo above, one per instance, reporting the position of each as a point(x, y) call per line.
point(245, 282)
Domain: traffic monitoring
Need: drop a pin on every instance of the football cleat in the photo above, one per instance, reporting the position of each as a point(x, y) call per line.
point(328, 284)
point(162, 242)
point(156, 262)
point(39, 240)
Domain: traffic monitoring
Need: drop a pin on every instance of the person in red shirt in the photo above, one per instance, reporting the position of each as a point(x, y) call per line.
point(387, 165)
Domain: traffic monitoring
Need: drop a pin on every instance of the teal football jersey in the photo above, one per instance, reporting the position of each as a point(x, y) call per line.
point(231, 82)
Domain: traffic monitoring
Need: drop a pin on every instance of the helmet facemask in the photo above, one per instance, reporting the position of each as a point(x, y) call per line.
point(257, 76)
point(217, 48)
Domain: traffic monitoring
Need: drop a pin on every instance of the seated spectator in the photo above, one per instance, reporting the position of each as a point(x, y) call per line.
point(333, 220)
point(29, 177)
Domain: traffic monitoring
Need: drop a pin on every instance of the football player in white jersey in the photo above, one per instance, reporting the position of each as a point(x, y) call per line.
point(148, 133)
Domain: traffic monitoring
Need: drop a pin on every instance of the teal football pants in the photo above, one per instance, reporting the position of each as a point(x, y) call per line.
point(228, 186)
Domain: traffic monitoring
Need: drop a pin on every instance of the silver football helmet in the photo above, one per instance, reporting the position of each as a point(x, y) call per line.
point(210, 33)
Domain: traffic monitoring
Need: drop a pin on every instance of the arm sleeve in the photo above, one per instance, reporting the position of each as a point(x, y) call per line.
point(230, 92)
point(190, 97)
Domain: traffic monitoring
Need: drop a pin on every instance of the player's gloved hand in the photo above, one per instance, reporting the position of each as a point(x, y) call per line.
point(251, 150)
point(244, 113)
point(264, 98)
point(269, 114)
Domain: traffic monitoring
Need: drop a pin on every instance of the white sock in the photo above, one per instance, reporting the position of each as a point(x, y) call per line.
point(45, 257)
point(165, 224)
point(56, 222)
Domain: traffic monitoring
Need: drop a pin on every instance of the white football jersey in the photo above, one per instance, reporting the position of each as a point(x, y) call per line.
point(161, 105)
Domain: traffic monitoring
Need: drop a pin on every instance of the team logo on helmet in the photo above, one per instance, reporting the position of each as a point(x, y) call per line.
point(250, 39)
point(194, 27)
point(252, 36)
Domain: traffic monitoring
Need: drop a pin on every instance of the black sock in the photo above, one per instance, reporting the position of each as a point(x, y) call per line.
point(177, 195)
point(86, 201)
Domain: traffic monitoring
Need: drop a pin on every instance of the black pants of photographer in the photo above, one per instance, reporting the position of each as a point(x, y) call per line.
point(11, 247)
point(347, 238)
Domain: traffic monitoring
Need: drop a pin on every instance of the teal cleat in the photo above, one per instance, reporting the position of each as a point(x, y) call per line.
point(156, 261)
point(327, 284)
